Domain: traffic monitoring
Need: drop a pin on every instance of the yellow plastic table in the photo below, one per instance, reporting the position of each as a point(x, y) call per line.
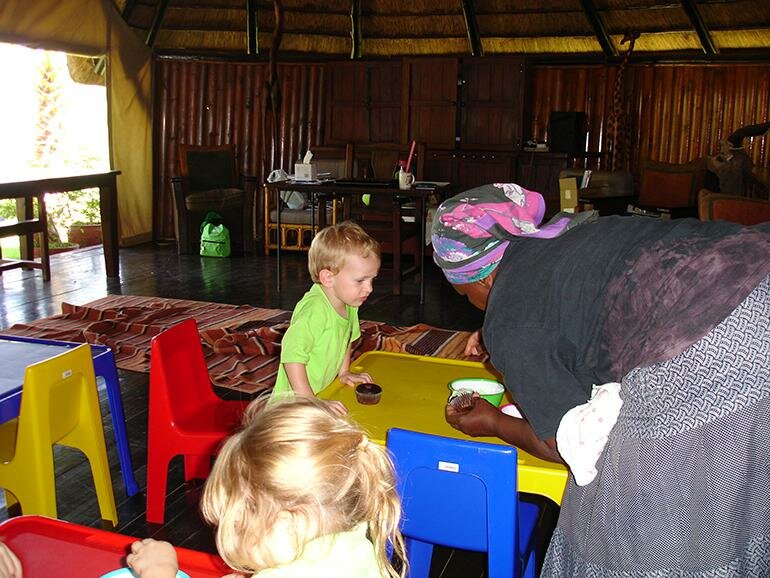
point(414, 395)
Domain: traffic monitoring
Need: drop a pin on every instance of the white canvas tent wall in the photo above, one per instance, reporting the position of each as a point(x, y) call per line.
point(94, 28)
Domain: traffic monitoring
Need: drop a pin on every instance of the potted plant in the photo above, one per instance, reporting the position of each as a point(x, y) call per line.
point(86, 230)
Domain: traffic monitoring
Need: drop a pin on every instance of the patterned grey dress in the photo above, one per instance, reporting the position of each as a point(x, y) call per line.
point(683, 488)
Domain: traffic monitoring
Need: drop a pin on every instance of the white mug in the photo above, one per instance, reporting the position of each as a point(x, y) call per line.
point(405, 180)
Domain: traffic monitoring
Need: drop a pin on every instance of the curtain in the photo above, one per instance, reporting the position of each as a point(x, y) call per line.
point(95, 28)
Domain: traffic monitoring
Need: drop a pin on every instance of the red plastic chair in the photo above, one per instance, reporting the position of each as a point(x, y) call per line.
point(186, 417)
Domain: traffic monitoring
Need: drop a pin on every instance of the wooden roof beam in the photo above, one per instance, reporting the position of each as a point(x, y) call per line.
point(252, 44)
point(600, 30)
point(691, 9)
point(157, 21)
point(355, 29)
point(128, 9)
point(474, 38)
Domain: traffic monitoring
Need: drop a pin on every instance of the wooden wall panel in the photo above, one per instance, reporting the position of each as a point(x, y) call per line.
point(214, 102)
point(675, 113)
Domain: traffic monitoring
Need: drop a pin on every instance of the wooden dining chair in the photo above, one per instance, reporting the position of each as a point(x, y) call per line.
point(389, 219)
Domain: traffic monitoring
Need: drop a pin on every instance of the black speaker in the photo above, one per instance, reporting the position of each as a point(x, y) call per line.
point(566, 132)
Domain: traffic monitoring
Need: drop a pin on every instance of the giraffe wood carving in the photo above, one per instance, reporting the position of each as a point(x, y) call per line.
point(618, 141)
point(271, 95)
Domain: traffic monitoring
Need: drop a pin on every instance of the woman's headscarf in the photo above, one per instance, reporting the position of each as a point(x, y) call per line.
point(471, 231)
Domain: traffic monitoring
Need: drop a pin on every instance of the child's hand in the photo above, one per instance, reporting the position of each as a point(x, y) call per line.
point(348, 378)
point(153, 559)
point(474, 346)
point(337, 406)
point(10, 567)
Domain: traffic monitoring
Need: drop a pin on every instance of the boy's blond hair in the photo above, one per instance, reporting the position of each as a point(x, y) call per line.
point(298, 456)
point(333, 244)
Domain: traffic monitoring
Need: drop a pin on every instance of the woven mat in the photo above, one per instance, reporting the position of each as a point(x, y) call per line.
point(241, 343)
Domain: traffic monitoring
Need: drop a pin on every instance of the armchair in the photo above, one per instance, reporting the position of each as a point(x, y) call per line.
point(736, 208)
point(208, 181)
point(672, 189)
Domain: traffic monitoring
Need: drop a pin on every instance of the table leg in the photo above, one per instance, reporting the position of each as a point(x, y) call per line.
point(422, 215)
point(108, 209)
point(278, 239)
point(104, 367)
point(396, 245)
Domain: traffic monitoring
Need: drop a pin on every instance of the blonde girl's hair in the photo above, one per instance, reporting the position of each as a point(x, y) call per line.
point(333, 244)
point(297, 456)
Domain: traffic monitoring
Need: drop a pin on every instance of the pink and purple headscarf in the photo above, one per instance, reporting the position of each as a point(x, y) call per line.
point(471, 231)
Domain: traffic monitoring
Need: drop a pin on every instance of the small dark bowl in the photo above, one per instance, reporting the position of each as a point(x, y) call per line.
point(368, 393)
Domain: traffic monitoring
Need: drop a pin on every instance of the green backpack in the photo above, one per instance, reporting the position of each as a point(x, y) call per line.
point(215, 237)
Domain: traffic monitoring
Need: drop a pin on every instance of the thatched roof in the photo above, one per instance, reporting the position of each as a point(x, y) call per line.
point(695, 29)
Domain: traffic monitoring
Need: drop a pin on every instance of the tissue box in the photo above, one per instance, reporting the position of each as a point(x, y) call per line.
point(304, 172)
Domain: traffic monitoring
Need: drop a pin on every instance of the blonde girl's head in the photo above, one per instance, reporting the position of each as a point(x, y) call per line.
point(333, 244)
point(299, 465)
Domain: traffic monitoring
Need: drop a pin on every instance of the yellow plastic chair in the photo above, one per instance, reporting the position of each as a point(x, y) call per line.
point(59, 404)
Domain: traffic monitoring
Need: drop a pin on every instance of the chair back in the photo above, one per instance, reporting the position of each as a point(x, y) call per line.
point(180, 387)
point(671, 185)
point(59, 405)
point(459, 494)
point(208, 167)
point(735, 208)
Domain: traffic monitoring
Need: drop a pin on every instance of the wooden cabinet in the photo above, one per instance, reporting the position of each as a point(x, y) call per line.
point(432, 101)
point(470, 169)
point(491, 100)
point(365, 102)
point(539, 171)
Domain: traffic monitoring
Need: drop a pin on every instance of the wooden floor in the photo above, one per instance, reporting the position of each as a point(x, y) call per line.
point(156, 270)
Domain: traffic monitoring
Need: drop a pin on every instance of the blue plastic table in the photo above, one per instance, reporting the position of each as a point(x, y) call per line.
point(16, 353)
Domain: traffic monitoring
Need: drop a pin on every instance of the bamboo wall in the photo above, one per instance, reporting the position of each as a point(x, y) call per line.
point(675, 113)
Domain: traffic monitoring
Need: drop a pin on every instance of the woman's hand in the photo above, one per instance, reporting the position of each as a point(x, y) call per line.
point(10, 567)
point(478, 420)
point(474, 345)
point(153, 559)
point(351, 379)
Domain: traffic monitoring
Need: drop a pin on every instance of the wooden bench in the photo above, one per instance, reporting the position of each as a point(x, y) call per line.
point(26, 229)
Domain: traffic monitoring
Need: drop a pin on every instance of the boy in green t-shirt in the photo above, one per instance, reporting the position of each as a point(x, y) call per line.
point(343, 262)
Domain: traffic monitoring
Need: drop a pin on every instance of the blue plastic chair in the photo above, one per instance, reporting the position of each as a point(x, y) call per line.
point(462, 494)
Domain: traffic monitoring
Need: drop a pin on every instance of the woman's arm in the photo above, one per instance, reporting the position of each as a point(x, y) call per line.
point(484, 419)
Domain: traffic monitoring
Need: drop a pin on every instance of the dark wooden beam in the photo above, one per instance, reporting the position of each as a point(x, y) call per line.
point(355, 29)
point(128, 10)
point(691, 9)
point(600, 30)
point(252, 30)
point(474, 38)
point(157, 21)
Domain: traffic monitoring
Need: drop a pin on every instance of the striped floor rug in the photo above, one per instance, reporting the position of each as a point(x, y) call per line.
point(241, 343)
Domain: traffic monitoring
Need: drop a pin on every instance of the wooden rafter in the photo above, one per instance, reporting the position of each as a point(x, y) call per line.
point(128, 9)
point(157, 21)
point(474, 38)
point(251, 28)
point(600, 30)
point(691, 9)
point(355, 29)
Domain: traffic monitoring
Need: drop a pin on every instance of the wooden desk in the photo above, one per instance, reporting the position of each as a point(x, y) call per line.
point(37, 188)
point(48, 547)
point(414, 395)
point(324, 191)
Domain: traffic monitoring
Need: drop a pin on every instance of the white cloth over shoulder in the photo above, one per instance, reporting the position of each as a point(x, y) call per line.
point(583, 431)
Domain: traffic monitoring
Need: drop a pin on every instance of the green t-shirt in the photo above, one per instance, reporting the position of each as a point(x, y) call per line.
point(344, 555)
point(318, 337)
